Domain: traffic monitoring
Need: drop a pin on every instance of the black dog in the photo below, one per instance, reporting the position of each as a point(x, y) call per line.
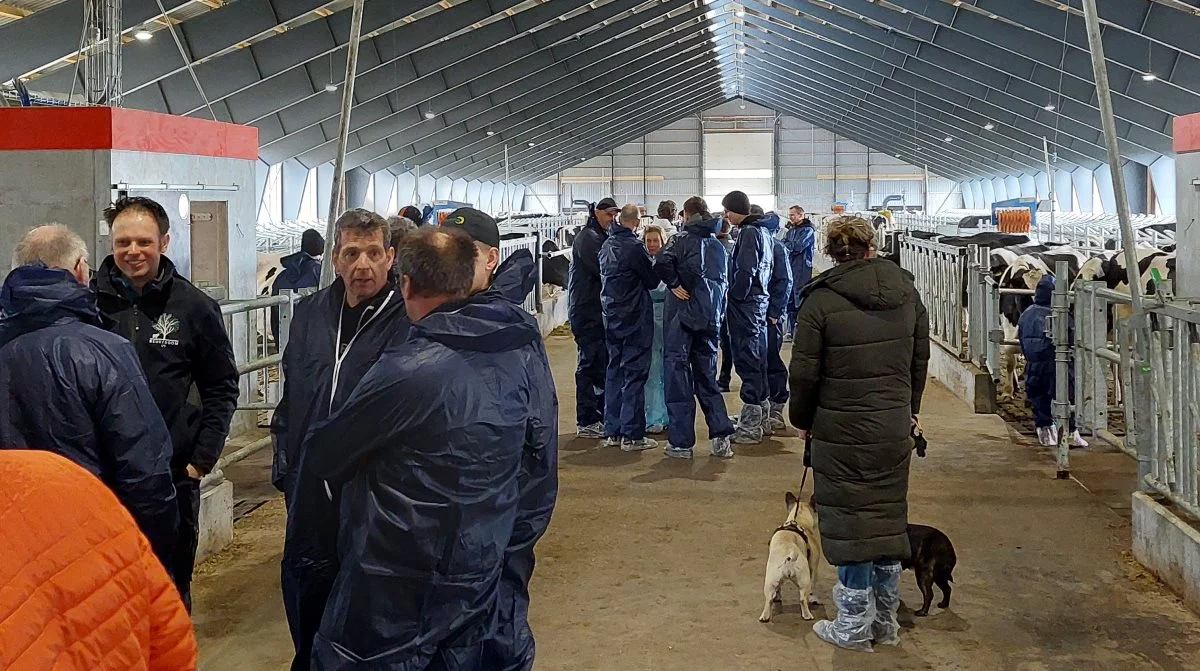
point(933, 561)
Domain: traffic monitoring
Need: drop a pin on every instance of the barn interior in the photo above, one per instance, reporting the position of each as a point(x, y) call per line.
point(992, 143)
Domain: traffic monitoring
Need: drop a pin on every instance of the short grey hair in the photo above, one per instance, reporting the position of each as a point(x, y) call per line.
point(630, 213)
point(53, 244)
point(400, 226)
point(363, 222)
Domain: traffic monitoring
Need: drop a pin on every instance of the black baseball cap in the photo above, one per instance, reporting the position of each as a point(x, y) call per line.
point(477, 225)
point(607, 204)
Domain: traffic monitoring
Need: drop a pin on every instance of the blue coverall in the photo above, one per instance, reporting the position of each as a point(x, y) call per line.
point(780, 291)
point(587, 325)
point(698, 262)
point(800, 241)
point(750, 277)
point(627, 276)
point(1040, 369)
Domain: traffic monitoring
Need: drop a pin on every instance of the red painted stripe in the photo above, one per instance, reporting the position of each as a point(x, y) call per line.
point(1187, 133)
point(99, 128)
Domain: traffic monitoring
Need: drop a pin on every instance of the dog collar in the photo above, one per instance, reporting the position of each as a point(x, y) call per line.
point(794, 529)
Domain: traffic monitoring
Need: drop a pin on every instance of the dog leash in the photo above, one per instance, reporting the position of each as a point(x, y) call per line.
point(807, 460)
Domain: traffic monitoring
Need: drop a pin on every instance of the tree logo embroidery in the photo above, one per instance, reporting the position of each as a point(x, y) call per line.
point(164, 326)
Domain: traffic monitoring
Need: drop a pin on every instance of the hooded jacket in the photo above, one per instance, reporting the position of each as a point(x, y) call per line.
point(316, 383)
point(180, 339)
point(697, 261)
point(583, 278)
point(432, 446)
point(753, 258)
point(800, 241)
point(300, 271)
point(70, 387)
point(1036, 345)
point(79, 586)
point(859, 358)
point(780, 287)
point(628, 276)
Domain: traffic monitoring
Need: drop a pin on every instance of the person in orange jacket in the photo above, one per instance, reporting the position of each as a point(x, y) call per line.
point(80, 588)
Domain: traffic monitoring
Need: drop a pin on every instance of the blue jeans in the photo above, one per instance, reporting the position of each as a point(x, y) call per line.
point(859, 575)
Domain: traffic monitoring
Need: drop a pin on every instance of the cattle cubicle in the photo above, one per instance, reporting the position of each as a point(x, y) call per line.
point(1149, 410)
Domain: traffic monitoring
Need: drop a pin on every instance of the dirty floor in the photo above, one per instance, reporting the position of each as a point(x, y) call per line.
point(658, 565)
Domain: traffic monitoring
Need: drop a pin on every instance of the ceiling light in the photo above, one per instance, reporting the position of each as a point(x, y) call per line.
point(948, 139)
point(331, 88)
point(740, 13)
point(741, 50)
point(532, 144)
point(1149, 76)
point(491, 133)
point(897, 155)
point(143, 35)
point(1049, 107)
point(430, 114)
point(989, 126)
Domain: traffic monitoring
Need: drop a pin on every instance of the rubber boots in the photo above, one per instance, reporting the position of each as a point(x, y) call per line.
point(885, 630)
point(855, 617)
point(749, 425)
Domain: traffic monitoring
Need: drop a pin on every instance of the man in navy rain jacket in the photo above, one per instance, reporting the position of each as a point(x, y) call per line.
point(301, 270)
point(780, 291)
point(511, 646)
point(336, 335)
point(429, 448)
point(694, 266)
point(68, 386)
point(628, 276)
point(750, 276)
point(585, 316)
point(1040, 368)
point(800, 240)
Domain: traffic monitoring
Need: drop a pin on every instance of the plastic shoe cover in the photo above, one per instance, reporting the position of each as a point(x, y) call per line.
point(749, 426)
point(1077, 440)
point(721, 448)
point(678, 452)
point(638, 445)
point(590, 431)
point(776, 418)
point(855, 613)
point(1052, 433)
point(765, 422)
point(1043, 433)
point(656, 428)
point(612, 441)
point(885, 630)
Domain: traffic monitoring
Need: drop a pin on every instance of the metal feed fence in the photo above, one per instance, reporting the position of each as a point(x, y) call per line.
point(1160, 398)
point(1088, 231)
point(940, 273)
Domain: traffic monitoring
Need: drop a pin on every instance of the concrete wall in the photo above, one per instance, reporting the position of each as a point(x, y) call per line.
point(1168, 546)
point(41, 187)
point(1187, 209)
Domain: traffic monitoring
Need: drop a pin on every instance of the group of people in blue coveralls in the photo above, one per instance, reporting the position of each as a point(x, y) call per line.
point(754, 289)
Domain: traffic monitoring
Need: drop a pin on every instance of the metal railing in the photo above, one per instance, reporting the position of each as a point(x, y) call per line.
point(940, 272)
point(1167, 390)
point(1073, 228)
point(260, 370)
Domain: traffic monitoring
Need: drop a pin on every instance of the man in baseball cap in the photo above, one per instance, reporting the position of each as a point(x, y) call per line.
point(482, 229)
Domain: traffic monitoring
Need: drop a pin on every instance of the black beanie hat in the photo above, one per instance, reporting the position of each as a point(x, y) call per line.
point(736, 202)
point(312, 243)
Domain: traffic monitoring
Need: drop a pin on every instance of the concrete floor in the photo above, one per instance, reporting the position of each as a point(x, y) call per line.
point(651, 564)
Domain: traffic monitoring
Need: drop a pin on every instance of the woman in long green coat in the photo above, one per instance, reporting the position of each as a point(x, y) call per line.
point(859, 358)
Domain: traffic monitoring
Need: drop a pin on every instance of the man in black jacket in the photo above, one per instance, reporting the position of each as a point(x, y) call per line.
point(70, 387)
point(181, 341)
point(586, 318)
point(336, 335)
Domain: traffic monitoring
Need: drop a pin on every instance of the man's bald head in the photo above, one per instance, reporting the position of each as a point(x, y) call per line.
point(436, 265)
point(631, 216)
point(56, 246)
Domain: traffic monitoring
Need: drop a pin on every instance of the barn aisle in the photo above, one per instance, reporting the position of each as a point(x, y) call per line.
point(658, 565)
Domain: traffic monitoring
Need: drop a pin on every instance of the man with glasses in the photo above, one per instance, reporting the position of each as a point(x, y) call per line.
point(68, 386)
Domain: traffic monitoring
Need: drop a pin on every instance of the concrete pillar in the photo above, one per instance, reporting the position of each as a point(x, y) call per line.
point(1136, 186)
point(1187, 204)
point(358, 181)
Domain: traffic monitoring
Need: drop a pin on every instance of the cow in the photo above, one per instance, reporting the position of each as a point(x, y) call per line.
point(269, 267)
point(554, 268)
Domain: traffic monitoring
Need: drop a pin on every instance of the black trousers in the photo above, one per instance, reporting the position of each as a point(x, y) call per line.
point(183, 560)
